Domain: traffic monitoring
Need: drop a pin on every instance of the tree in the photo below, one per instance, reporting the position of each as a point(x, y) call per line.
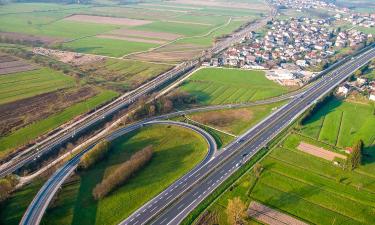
point(236, 211)
point(358, 73)
point(355, 158)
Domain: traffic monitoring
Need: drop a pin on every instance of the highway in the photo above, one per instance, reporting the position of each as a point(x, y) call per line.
point(64, 134)
point(172, 207)
point(38, 206)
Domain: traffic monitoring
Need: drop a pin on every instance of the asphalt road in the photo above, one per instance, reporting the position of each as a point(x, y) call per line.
point(65, 134)
point(38, 206)
point(172, 207)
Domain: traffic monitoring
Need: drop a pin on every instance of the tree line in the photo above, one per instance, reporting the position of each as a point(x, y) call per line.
point(7, 185)
point(123, 172)
point(97, 153)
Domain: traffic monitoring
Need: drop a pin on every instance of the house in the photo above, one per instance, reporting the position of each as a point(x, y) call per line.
point(372, 96)
point(343, 90)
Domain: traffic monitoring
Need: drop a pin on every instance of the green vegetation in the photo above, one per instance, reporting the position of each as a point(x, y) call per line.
point(334, 123)
point(176, 151)
point(311, 188)
point(235, 121)
point(220, 86)
point(95, 155)
point(30, 132)
point(13, 209)
point(122, 75)
point(105, 46)
point(27, 84)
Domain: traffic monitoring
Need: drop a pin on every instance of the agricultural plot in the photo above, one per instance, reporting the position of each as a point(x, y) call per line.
point(176, 151)
point(118, 30)
point(30, 132)
point(9, 64)
point(333, 123)
point(122, 75)
point(310, 188)
point(235, 121)
point(22, 85)
point(221, 86)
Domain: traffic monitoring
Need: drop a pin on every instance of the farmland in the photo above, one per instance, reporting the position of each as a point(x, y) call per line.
point(94, 29)
point(30, 132)
point(234, 121)
point(21, 85)
point(220, 86)
point(176, 150)
point(311, 188)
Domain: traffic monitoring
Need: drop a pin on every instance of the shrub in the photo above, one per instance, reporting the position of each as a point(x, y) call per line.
point(96, 154)
point(123, 172)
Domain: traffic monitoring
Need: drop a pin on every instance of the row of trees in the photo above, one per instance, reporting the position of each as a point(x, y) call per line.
point(163, 105)
point(355, 158)
point(96, 154)
point(7, 185)
point(123, 173)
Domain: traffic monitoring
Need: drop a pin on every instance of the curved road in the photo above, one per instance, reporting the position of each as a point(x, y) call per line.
point(38, 206)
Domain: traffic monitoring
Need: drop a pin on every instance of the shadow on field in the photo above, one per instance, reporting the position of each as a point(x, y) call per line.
point(369, 154)
point(328, 107)
point(201, 96)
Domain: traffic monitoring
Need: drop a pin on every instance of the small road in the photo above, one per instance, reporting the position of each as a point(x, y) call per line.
point(193, 189)
point(38, 206)
point(69, 131)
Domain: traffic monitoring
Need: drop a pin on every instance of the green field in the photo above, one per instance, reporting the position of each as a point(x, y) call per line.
point(220, 86)
point(30, 132)
point(235, 121)
point(342, 123)
point(47, 20)
point(27, 84)
point(13, 209)
point(310, 188)
point(176, 151)
point(105, 46)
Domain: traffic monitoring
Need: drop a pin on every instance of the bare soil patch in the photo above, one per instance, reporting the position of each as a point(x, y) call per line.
point(223, 119)
point(69, 57)
point(20, 113)
point(319, 152)
point(29, 38)
point(9, 64)
point(146, 34)
point(270, 216)
point(166, 56)
point(119, 37)
point(107, 20)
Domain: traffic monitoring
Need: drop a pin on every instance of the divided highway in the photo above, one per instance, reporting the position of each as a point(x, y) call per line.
point(172, 207)
point(38, 206)
point(68, 132)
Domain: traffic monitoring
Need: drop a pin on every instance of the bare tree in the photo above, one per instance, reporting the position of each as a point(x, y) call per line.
point(236, 211)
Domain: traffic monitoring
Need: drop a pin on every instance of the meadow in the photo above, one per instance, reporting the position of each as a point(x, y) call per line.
point(223, 86)
point(176, 151)
point(309, 188)
point(46, 20)
point(22, 85)
point(32, 131)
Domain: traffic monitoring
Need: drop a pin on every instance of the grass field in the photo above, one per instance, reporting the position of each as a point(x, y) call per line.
point(13, 209)
point(220, 86)
point(176, 151)
point(105, 46)
point(30, 132)
point(123, 75)
point(27, 84)
point(310, 188)
point(235, 121)
point(334, 123)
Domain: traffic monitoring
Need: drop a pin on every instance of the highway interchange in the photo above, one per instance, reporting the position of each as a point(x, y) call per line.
point(38, 206)
point(173, 204)
point(172, 207)
point(63, 135)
